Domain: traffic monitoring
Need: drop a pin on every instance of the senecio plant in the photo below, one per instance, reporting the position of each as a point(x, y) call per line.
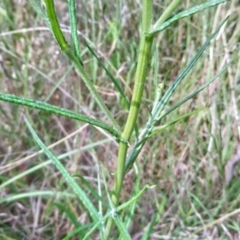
point(128, 151)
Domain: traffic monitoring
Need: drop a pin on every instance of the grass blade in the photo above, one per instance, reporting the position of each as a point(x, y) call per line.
point(45, 163)
point(78, 230)
point(82, 73)
point(70, 215)
point(91, 189)
point(122, 228)
point(183, 14)
point(134, 198)
point(139, 144)
point(115, 217)
point(198, 90)
point(57, 110)
point(77, 189)
point(163, 127)
point(182, 75)
point(43, 194)
point(156, 219)
point(73, 27)
point(38, 8)
point(115, 82)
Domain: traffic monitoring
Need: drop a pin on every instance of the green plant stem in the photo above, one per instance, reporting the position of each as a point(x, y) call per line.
point(141, 74)
point(55, 25)
point(142, 69)
point(144, 58)
point(140, 78)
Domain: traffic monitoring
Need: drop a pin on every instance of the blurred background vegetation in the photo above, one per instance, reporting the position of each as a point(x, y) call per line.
point(185, 162)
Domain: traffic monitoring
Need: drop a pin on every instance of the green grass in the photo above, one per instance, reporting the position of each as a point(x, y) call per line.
point(185, 162)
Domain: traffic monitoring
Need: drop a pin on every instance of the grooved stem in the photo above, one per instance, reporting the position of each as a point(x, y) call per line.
point(140, 79)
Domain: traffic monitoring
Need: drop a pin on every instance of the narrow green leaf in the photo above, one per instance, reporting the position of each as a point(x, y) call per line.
point(140, 143)
point(92, 89)
point(31, 194)
point(121, 227)
point(198, 90)
point(134, 198)
point(72, 183)
point(77, 230)
point(171, 7)
point(147, 234)
point(157, 109)
point(115, 81)
point(71, 216)
point(130, 212)
point(57, 110)
point(89, 232)
point(47, 162)
point(163, 127)
point(186, 13)
point(182, 75)
point(38, 8)
point(91, 189)
point(113, 212)
point(73, 27)
point(77, 63)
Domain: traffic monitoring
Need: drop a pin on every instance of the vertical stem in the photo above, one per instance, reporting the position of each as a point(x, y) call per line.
point(141, 73)
point(140, 78)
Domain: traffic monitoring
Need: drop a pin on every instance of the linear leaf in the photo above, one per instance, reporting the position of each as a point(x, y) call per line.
point(115, 82)
point(57, 110)
point(73, 27)
point(134, 198)
point(198, 90)
point(183, 14)
point(71, 181)
point(47, 162)
point(91, 189)
point(43, 194)
point(122, 228)
point(157, 109)
point(82, 73)
point(156, 219)
point(77, 231)
point(38, 8)
point(163, 127)
point(71, 216)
